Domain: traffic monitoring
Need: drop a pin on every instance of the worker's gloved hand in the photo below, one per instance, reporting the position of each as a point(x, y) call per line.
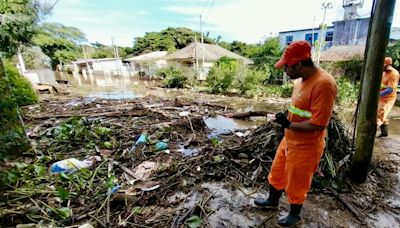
point(281, 119)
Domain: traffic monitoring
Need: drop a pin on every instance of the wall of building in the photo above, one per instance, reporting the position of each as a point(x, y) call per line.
point(284, 37)
point(351, 32)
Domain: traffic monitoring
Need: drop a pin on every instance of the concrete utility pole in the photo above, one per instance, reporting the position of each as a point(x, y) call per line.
point(312, 38)
point(202, 47)
point(321, 39)
point(379, 32)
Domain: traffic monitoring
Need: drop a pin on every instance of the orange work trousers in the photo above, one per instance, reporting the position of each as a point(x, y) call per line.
point(292, 170)
point(384, 107)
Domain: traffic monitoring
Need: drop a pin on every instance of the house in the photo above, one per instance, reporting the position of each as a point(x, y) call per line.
point(147, 63)
point(287, 37)
point(110, 66)
point(193, 55)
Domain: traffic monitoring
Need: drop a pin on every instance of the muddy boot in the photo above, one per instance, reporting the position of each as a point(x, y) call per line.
point(384, 130)
point(293, 217)
point(273, 199)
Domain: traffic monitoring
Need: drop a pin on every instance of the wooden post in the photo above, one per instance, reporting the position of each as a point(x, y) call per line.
point(372, 75)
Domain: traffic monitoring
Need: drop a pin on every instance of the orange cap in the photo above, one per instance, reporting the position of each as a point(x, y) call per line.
point(294, 53)
point(388, 61)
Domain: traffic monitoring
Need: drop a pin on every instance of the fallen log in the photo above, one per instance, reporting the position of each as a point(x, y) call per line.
point(106, 114)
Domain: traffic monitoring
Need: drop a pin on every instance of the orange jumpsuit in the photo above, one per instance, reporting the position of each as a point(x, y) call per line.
point(299, 153)
point(389, 79)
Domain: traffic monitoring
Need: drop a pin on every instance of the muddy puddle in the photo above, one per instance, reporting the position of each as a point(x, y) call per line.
point(234, 207)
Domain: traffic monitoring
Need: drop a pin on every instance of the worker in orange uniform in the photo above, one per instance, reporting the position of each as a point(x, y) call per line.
point(387, 96)
point(300, 150)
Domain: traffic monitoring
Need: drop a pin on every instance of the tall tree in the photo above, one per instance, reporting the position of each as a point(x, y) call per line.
point(169, 39)
point(61, 43)
point(18, 20)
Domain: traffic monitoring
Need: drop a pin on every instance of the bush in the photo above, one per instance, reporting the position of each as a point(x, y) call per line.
point(252, 83)
point(279, 90)
point(347, 91)
point(222, 75)
point(176, 76)
point(394, 52)
point(12, 137)
point(351, 69)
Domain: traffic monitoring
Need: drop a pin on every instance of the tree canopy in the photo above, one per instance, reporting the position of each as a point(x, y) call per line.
point(18, 19)
point(169, 39)
point(59, 42)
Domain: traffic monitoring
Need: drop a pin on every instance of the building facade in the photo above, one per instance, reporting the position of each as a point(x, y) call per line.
point(287, 37)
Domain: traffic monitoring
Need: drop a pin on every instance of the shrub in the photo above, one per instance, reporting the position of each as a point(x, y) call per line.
point(351, 69)
point(12, 137)
point(176, 76)
point(394, 52)
point(252, 82)
point(347, 91)
point(222, 75)
point(279, 90)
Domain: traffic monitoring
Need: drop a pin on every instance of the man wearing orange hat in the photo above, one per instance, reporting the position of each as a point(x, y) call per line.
point(300, 151)
point(387, 96)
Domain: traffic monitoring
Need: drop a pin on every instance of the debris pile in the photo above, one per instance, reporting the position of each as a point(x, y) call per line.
point(117, 163)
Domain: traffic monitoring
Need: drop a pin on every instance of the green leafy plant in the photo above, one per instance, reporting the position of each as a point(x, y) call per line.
point(347, 91)
point(394, 52)
point(176, 77)
point(279, 90)
point(252, 83)
point(222, 75)
point(194, 221)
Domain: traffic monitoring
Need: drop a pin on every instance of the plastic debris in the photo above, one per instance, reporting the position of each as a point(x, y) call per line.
point(161, 146)
point(184, 113)
point(72, 164)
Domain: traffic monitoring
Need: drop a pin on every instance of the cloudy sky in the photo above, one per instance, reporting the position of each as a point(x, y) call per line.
point(245, 20)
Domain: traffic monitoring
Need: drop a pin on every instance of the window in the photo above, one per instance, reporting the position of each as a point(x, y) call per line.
point(309, 38)
point(329, 36)
point(315, 36)
point(289, 40)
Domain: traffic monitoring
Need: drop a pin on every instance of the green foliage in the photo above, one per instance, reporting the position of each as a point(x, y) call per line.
point(351, 69)
point(11, 133)
point(59, 42)
point(265, 56)
point(279, 90)
point(22, 91)
point(252, 83)
point(222, 75)
point(176, 77)
point(103, 51)
point(169, 39)
point(19, 18)
point(347, 91)
point(394, 52)
point(173, 78)
point(34, 58)
point(194, 222)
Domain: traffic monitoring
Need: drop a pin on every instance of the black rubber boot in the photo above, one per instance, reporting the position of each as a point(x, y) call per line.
point(384, 130)
point(293, 217)
point(273, 199)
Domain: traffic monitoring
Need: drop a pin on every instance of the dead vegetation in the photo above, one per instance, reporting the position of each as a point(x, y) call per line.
point(143, 152)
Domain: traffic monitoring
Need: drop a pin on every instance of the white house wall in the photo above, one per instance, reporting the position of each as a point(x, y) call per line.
point(107, 66)
point(299, 35)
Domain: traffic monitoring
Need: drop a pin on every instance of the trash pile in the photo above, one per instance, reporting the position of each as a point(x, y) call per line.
point(102, 163)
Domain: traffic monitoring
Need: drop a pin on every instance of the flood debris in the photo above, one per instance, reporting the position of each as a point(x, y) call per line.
point(143, 160)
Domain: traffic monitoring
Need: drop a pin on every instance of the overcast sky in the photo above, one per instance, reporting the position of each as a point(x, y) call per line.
point(244, 20)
